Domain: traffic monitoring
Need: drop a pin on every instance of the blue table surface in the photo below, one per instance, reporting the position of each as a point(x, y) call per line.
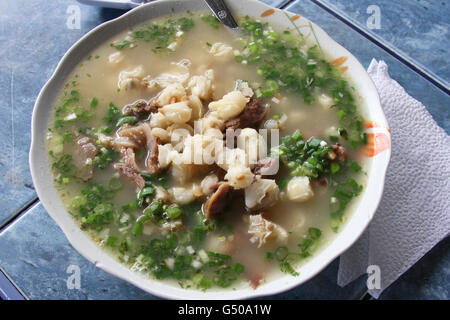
point(418, 30)
point(34, 253)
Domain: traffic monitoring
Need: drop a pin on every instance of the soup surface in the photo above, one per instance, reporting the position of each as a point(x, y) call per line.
point(207, 159)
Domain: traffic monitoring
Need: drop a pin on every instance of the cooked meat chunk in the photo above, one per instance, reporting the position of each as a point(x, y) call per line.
point(208, 184)
point(250, 117)
point(141, 108)
point(130, 173)
point(239, 176)
point(129, 168)
point(182, 195)
point(217, 202)
point(216, 186)
point(266, 166)
point(151, 143)
point(136, 108)
point(152, 155)
point(134, 136)
point(338, 153)
point(129, 158)
point(140, 137)
point(263, 231)
point(132, 78)
point(87, 147)
point(299, 189)
point(231, 105)
point(261, 193)
point(85, 151)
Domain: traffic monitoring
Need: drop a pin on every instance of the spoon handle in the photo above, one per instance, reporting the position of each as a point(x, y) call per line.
point(221, 11)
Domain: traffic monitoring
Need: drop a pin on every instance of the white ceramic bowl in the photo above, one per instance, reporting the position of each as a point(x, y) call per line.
point(379, 150)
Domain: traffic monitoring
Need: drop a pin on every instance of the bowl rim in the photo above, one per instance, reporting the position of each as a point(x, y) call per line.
point(116, 268)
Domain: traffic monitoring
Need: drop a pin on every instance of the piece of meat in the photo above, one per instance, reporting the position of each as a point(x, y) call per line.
point(262, 193)
point(87, 147)
point(130, 173)
point(134, 134)
point(129, 159)
point(263, 231)
point(216, 185)
point(129, 167)
point(217, 202)
point(124, 143)
point(141, 108)
point(85, 151)
point(266, 166)
point(251, 117)
point(138, 137)
point(338, 153)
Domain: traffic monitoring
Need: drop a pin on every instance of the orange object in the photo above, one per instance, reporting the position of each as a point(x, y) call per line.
point(376, 143)
point(267, 13)
point(295, 17)
point(339, 61)
point(373, 124)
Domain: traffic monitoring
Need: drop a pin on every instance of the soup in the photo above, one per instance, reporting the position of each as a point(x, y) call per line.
point(208, 159)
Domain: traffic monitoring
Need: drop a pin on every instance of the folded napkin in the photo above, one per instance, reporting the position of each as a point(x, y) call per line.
point(414, 213)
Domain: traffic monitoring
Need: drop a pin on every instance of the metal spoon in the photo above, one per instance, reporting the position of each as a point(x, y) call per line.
point(222, 13)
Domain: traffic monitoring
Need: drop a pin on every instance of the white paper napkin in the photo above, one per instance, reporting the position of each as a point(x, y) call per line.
point(414, 213)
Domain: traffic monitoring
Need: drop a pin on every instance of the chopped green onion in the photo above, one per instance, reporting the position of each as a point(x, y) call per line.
point(126, 120)
point(334, 167)
point(174, 212)
point(146, 192)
